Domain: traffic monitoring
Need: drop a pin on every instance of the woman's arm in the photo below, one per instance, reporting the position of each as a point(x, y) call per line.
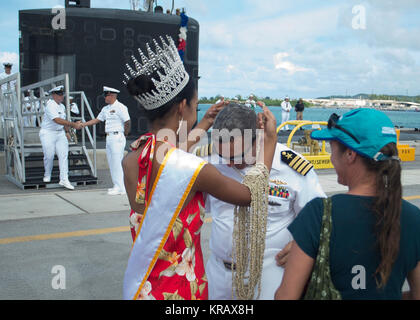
point(296, 274)
point(131, 173)
point(211, 181)
point(413, 279)
point(204, 125)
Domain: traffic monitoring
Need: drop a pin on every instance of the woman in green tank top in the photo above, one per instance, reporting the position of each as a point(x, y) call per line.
point(373, 238)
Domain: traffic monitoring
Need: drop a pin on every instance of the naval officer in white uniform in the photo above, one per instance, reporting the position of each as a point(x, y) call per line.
point(54, 136)
point(7, 72)
point(285, 112)
point(117, 127)
point(291, 187)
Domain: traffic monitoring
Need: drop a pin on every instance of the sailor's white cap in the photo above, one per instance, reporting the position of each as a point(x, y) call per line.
point(109, 89)
point(7, 64)
point(287, 97)
point(57, 89)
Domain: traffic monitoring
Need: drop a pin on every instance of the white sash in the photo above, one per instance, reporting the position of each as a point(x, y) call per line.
point(172, 185)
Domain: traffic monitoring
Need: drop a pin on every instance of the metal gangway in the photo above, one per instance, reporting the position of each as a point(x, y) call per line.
point(21, 113)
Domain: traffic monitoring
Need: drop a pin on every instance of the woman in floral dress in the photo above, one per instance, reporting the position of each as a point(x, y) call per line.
point(165, 185)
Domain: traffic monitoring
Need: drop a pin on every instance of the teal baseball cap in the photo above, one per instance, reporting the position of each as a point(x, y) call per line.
point(366, 131)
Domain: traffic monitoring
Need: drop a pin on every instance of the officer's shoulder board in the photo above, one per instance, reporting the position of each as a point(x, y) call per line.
point(296, 162)
point(204, 150)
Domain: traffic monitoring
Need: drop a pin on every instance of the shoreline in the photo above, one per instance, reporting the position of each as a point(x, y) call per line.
point(336, 107)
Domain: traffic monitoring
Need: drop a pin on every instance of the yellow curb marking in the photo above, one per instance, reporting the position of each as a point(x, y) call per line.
point(80, 233)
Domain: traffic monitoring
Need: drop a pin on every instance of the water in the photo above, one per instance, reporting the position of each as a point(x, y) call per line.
point(404, 119)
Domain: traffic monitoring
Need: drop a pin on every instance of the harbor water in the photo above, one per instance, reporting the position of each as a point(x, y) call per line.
point(401, 119)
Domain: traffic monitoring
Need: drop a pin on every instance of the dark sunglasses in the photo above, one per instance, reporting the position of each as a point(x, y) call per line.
point(332, 123)
point(59, 93)
point(107, 93)
point(240, 158)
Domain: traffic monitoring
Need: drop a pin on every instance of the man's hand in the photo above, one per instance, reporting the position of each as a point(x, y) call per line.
point(282, 256)
point(68, 136)
point(78, 125)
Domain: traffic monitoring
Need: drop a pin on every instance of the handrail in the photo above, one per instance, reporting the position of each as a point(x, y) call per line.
point(92, 138)
point(12, 120)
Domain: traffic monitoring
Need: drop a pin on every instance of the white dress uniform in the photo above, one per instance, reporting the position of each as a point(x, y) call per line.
point(54, 140)
point(74, 107)
point(250, 104)
point(12, 83)
point(5, 75)
point(114, 116)
point(285, 114)
point(29, 120)
point(289, 192)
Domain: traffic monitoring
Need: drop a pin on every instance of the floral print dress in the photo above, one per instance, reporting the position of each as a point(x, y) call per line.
point(179, 270)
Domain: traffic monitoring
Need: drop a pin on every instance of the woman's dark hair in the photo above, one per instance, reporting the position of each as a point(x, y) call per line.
point(387, 209)
point(143, 84)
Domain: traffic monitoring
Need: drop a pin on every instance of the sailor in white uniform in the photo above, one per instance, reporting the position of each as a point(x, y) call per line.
point(291, 187)
point(285, 112)
point(250, 102)
point(54, 136)
point(7, 72)
point(74, 108)
point(29, 120)
point(117, 127)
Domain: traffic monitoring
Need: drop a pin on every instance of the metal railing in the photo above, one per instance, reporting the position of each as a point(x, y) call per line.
point(11, 119)
point(86, 130)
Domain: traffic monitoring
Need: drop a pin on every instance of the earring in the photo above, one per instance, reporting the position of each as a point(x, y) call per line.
point(179, 126)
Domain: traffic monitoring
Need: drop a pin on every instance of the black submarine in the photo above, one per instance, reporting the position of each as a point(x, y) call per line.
point(94, 47)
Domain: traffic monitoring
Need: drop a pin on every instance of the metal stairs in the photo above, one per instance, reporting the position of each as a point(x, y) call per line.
point(79, 170)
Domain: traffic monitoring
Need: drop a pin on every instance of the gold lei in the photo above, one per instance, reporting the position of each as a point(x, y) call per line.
point(249, 231)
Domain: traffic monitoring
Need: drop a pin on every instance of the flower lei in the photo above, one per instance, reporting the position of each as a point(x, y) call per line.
point(182, 35)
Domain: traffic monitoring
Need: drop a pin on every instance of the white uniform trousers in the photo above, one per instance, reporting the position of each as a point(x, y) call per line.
point(219, 279)
point(285, 116)
point(115, 145)
point(55, 142)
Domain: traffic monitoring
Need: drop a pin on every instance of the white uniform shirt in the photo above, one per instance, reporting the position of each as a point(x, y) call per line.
point(286, 106)
point(281, 210)
point(114, 116)
point(28, 120)
point(74, 108)
point(4, 75)
point(250, 103)
point(53, 110)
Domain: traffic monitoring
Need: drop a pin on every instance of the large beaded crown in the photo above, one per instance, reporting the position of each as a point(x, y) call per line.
point(167, 64)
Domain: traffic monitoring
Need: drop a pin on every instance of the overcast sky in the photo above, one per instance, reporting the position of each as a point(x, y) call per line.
point(300, 48)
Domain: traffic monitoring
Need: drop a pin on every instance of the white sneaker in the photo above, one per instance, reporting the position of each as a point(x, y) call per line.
point(115, 192)
point(113, 188)
point(46, 179)
point(66, 184)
